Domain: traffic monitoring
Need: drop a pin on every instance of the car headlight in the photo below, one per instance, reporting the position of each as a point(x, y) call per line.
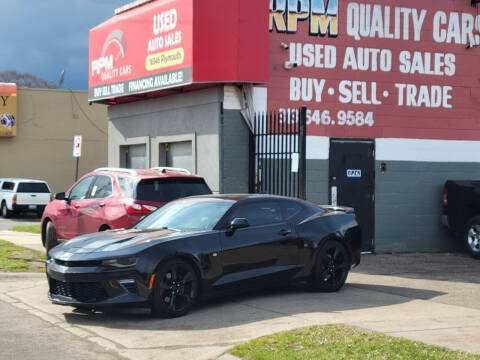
point(121, 262)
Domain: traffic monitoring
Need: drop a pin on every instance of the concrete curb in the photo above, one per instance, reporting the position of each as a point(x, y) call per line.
point(228, 356)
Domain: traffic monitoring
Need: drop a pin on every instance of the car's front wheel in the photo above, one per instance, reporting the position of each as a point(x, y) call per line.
point(472, 237)
point(51, 239)
point(175, 290)
point(331, 268)
point(5, 212)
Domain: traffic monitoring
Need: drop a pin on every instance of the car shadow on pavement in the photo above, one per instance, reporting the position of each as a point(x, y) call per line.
point(458, 267)
point(248, 308)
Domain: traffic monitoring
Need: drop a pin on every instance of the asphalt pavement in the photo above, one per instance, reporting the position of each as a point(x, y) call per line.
point(24, 219)
point(427, 297)
point(26, 336)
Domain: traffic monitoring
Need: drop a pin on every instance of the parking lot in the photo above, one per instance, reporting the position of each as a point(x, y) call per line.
point(427, 297)
point(24, 219)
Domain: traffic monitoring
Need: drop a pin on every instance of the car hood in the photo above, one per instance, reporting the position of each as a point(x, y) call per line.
point(114, 242)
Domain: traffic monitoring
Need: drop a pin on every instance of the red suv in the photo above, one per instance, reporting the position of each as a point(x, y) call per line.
point(112, 198)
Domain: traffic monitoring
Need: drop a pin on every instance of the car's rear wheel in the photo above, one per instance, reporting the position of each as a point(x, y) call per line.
point(5, 212)
point(51, 239)
point(175, 290)
point(472, 237)
point(331, 268)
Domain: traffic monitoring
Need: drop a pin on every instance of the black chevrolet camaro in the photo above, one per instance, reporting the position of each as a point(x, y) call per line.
point(205, 246)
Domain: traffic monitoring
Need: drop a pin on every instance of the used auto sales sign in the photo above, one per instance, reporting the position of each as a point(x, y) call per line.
point(142, 50)
point(382, 69)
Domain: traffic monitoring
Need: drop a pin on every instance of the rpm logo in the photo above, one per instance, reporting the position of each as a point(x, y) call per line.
point(322, 16)
point(114, 48)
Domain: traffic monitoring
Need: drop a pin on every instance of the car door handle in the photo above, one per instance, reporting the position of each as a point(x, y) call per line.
point(101, 204)
point(76, 206)
point(284, 232)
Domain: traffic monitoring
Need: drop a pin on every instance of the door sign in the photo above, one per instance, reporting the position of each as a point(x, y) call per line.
point(354, 173)
point(334, 196)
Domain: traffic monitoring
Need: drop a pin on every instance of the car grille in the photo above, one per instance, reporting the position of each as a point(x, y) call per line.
point(77, 263)
point(79, 291)
point(130, 287)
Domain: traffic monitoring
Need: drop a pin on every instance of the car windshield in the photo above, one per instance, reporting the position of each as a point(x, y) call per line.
point(187, 215)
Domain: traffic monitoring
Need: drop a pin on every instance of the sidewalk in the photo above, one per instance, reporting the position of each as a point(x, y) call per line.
point(427, 297)
point(29, 240)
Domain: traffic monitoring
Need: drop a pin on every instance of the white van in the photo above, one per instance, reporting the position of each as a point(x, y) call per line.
point(23, 195)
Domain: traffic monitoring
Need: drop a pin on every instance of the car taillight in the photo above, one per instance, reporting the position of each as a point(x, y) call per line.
point(138, 209)
point(445, 197)
point(14, 199)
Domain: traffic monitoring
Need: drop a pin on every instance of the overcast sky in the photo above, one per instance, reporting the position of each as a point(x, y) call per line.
point(44, 37)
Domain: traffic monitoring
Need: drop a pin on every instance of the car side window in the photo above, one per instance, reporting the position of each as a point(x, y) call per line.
point(290, 209)
point(80, 191)
point(127, 186)
point(7, 185)
point(102, 187)
point(259, 213)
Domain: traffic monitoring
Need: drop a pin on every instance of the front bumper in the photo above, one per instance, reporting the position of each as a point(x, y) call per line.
point(95, 286)
point(27, 208)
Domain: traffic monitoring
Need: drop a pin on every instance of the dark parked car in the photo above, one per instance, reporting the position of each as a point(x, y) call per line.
point(204, 246)
point(461, 212)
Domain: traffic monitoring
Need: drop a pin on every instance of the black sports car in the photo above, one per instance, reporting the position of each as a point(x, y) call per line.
point(204, 246)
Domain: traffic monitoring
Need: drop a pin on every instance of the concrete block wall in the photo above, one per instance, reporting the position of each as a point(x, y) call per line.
point(195, 115)
point(317, 181)
point(234, 158)
point(408, 204)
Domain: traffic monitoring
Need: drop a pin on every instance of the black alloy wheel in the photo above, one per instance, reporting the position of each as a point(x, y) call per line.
point(176, 289)
point(331, 268)
point(472, 237)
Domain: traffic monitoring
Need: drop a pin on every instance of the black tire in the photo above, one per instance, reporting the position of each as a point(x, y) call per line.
point(51, 239)
point(5, 212)
point(104, 228)
point(331, 267)
point(471, 237)
point(175, 290)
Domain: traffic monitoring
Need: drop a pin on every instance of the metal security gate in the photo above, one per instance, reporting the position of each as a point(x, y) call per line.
point(278, 154)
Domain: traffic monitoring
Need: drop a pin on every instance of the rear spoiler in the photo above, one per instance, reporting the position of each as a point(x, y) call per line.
point(344, 209)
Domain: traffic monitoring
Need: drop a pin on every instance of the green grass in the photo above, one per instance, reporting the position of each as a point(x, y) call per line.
point(15, 258)
point(341, 343)
point(27, 228)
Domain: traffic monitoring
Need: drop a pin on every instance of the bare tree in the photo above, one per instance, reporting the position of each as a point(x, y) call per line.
point(25, 79)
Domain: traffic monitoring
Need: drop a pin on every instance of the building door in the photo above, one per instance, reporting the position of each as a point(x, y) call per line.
point(352, 182)
point(176, 154)
point(133, 156)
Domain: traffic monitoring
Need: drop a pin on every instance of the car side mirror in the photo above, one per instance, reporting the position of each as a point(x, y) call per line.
point(237, 223)
point(60, 196)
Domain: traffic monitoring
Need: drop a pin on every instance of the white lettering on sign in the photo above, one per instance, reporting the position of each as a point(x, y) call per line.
point(399, 24)
point(354, 173)
point(102, 64)
point(306, 89)
point(371, 21)
point(313, 55)
point(427, 96)
point(165, 21)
